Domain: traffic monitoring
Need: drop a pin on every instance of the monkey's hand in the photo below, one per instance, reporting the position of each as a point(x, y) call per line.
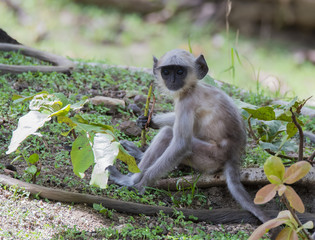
point(142, 121)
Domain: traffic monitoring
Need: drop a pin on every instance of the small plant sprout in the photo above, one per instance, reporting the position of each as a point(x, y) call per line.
point(34, 167)
point(279, 178)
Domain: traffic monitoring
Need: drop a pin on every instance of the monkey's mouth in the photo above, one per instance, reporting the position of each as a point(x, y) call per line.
point(174, 86)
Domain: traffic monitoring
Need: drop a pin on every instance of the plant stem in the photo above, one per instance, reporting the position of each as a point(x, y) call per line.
point(311, 158)
point(250, 130)
point(74, 134)
point(301, 134)
point(146, 111)
point(283, 156)
point(151, 111)
point(292, 211)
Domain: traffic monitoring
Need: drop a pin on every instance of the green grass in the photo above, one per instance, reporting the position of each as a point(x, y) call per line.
point(92, 33)
point(164, 228)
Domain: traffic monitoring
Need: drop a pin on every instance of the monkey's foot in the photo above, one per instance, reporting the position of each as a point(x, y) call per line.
point(132, 149)
point(119, 178)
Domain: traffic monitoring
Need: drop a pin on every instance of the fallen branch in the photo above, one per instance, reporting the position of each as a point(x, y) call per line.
point(249, 176)
point(217, 216)
point(62, 64)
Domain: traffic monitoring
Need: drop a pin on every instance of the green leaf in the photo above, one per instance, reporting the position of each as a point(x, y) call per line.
point(63, 99)
point(263, 113)
point(189, 45)
point(34, 158)
point(97, 207)
point(28, 124)
point(291, 129)
point(271, 146)
point(20, 98)
point(105, 153)
point(284, 116)
point(124, 156)
point(89, 128)
point(289, 146)
point(31, 170)
point(84, 125)
point(270, 130)
point(292, 103)
point(81, 155)
point(275, 179)
point(68, 121)
point(296, 171)
point(80, 119)
point(79, 104)
point(244, 105)
point(238, 57)
point(62, 112)
point(274, 166)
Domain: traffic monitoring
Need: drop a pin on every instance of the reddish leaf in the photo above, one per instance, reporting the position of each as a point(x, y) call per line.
point(282, 189)
point(294, 199)
point(265, 194)
point(287, 234)
point(285, 215)
point(296, 172)
point(262, 229)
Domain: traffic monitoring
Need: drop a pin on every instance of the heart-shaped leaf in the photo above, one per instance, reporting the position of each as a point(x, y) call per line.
point(263, 113)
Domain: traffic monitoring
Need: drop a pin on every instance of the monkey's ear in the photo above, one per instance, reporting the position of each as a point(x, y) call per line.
point(155, 63)
point(201, 67)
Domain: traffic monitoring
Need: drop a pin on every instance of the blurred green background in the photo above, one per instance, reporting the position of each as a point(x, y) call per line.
point(261, 59)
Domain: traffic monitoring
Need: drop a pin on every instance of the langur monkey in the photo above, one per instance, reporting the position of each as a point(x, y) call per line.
point(205, 131)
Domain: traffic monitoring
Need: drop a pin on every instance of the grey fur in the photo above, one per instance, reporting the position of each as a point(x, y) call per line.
point(206, 132)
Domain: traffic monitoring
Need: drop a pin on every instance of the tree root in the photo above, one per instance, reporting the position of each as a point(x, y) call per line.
point(249, 176)
point(62, 64)
point(216, 216)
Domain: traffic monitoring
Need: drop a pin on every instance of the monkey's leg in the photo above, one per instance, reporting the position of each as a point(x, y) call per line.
point(159, 144)
point(150, 157)
point(164, 154)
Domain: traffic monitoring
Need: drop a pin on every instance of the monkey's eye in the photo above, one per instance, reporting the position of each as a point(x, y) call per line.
point(180, 72)
point(165, 72)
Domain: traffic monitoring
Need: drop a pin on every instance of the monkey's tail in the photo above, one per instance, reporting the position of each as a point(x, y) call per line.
point(238, 191)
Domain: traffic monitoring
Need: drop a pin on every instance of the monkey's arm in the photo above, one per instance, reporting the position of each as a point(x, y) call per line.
point(164, 119)
point(157, 121)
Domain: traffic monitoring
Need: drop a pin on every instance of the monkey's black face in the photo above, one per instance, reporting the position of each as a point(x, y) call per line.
point(174, 76)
